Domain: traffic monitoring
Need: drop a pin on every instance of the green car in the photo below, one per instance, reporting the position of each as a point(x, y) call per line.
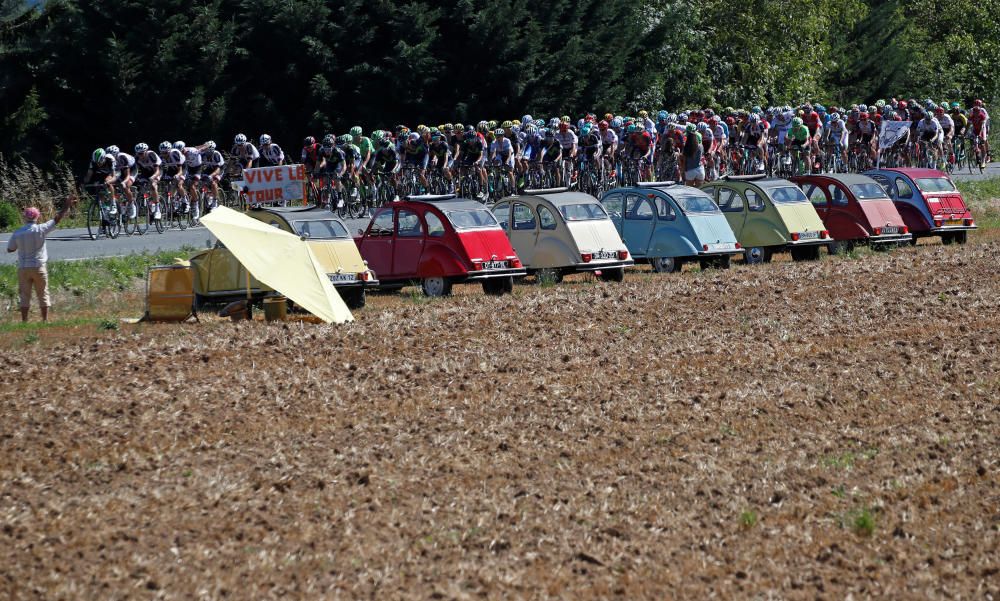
point(769, 215)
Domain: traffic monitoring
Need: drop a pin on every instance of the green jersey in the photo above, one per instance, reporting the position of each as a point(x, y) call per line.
point(365, 145)
point(799, 133)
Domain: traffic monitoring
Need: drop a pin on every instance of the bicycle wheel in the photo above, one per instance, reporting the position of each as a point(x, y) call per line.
point(111, 221)
point(94, 228)
point(130, 218)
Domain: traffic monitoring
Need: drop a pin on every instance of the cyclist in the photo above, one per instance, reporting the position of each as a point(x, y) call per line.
point(720, 129)
point(149, 169)
point(502, 153)
point(415, 155)
point(609, 142)
point(947, 128)
point(814, 123)
point(330, 164)
point(979, 119)
point(867, 134)
point(271, 153)
point(211, 169)
point(589, 145)
point(798, 136)
point(930, 132)
point(568, 140)
point(192, 171)
point(385, 159)
point(552, 155)
point(352, 160)
point(473, 153)
point(173, 166)
point(440, 155)
point(837, 136)
point(127, 170)
point(691, 156)
point(708, 147)
point(960, 120)
point(103, 168)
point(246, 153)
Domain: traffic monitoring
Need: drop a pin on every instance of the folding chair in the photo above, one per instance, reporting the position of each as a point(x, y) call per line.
point(170, 293)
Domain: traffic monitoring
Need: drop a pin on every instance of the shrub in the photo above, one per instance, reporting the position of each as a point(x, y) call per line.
point(10, 217)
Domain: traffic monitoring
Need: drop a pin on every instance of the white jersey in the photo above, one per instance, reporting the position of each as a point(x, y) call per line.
point(502, 150)
point(928, 127)
point(783, 123)
point(149, 160)
point(246, 152)
point(649, 125)
point(609, 137)
point(173, 158)
point(946, 122)
point(192, 156)
point(212, 159)
point(720, 133)
point(124, 161)
point(273, 154)
point(567, 139)
point(838, 132)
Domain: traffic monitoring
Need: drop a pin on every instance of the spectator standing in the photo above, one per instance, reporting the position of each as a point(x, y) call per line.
point(29, 244)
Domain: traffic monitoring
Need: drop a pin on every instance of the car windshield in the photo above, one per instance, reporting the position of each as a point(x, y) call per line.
point(935, 184)
point(583, 212)
point(695, 203)
point(787, 194)
point(868, 191)
point(320, 229)
point(471, 219)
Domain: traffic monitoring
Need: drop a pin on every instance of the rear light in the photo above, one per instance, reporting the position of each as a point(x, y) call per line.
point(704, 247)
point(795, 237)
point(937, 223)
point(738, 246)
point(586, 257)
point(515, 262)
point(824, 234)
point(878, 231)
point(365, 276)
point(622, 255)
point(477, 266)
point(905, 230)
point(968, 221)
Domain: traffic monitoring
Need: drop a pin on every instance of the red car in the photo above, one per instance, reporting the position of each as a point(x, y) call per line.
point(439, 241)
point(855, 209)
point(929, 203)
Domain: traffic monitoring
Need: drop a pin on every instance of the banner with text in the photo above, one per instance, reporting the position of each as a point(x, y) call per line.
point(282, 184)
point(892, 132)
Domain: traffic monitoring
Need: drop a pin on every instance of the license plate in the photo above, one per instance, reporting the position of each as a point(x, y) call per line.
point(890, 230)
point(808, 235)
point(338, 278)
point(954, 222)
point(605, 254)
point(722, 246)
point(495, 264)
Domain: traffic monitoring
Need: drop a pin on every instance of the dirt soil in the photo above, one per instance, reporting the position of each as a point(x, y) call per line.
point(827, 430)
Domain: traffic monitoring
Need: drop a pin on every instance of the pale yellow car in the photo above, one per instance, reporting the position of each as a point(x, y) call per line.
point(556, 233)
point(220, 278)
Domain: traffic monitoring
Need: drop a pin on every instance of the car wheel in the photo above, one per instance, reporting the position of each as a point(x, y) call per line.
point(354, 299)
point(616, 274)
point(947, 239)
point(961, 237)
point(755, 255)
point(665, 264)
point(548, 276)
point(840, 247)
point(913, 240)
point(498, 286)
point(809, 253)
point(439, 286)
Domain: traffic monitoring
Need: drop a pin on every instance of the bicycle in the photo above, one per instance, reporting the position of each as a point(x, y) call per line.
point(409, 182)
point(174, 210)
point(978, 155)
point(590, 179)
point(135, 214)
point(470, 185)
point(385, 190)
point(103, 217)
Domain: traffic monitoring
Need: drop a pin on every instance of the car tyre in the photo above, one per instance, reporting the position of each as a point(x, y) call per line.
point(354, 299)
point(498, 286)
point(809, 253)
point(962, 237)
point(548, 275)
point(437, 286)
point(755, 255)
point(616, 274)
point(840, 247)
point(665, 264)
point(947, 238)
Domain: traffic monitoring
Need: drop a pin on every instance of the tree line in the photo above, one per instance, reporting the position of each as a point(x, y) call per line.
point(75, 74)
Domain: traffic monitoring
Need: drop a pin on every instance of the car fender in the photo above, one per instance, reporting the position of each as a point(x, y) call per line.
point(913, 217)
point(675, 244)
point(440, 260)
point(845, 227)
point(552, 251)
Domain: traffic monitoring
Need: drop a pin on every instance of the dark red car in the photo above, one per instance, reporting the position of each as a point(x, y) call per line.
point(929, 203)
point(438, 241)
point(855, 209)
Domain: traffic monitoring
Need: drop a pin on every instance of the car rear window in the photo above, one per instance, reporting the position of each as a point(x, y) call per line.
point(320, 229)
point(695, 203)
point(583, 211)
point(787, 194)
point(471, 219)
point(868, 191)
point(935, 184)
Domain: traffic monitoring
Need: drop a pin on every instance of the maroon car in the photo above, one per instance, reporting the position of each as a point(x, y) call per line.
point(928, 202)
point(855, 209)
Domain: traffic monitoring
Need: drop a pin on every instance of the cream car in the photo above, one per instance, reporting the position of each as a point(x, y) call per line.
point(556, 233)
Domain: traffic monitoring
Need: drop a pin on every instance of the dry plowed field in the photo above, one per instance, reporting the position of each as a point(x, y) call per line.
point(800, 431)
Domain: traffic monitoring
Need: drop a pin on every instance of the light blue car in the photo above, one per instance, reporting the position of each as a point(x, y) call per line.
point(667, 224)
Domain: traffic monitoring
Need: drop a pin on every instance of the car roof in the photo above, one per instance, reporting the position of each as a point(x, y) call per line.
point(309, 212)
point(760, 182)
point(674, 189)
point(914, 172)
point(844, 178)
point(559, 199)
point(449, 204)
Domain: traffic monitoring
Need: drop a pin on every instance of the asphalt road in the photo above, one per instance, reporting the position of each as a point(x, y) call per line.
point(74, 244)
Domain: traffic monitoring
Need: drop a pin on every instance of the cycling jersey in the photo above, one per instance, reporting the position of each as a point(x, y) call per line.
point(173, 161)
point(211, 160)
point(472, 150)
point(107, 166)
point(440, 151)
point(148, 162)
point(415, 155)
point(333, 156)
point(311, 155)
point(365, 146)
point(385, 159)
point(640, 143)
point(245, 153)
point(192, 157)
point(272, 154)
point(502, 151)
point(125, 162)
point(798, 134)
point(609, 137)
point(567, 139)
point(837, 132)
point(946, 123)
point(352, 155)
point(980, 121)
point(590, 144)
point(961, 122)
point(551, 150)
point(929, 130)
point(533, 146)
point(866, 128)
point(812, 121)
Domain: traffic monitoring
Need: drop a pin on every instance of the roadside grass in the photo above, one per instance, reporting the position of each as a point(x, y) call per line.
point(983, 198)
